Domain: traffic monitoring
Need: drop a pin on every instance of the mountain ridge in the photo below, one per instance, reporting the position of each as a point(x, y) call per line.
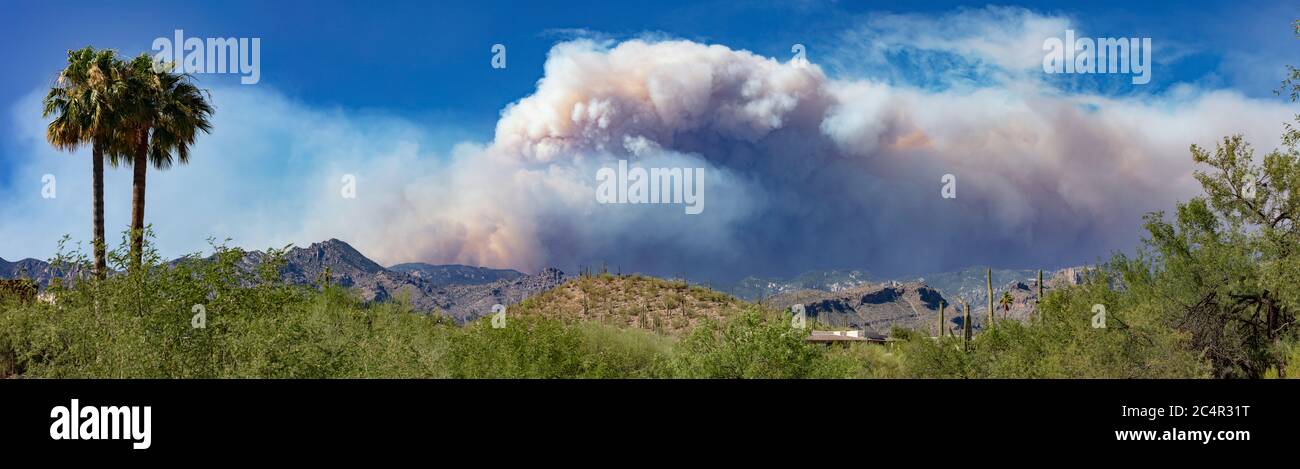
point(834, 298)
point(464, 294)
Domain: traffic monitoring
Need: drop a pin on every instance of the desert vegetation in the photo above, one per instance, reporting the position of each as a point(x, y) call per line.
point(1213, 292)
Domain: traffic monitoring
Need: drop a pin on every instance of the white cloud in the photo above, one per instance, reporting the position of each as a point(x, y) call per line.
point(804, 171)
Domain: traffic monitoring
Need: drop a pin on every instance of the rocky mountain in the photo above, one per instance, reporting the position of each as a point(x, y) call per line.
point(970, 284)
point(461, 292)
point(834, 298)
point(872, 307)
point(36, 270)
point(1024, 300)
point(878, 307)
point(755, 288)
point(469, 302)
point(455, 274)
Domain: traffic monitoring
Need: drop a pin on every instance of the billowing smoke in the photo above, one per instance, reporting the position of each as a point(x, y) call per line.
point(802, 171)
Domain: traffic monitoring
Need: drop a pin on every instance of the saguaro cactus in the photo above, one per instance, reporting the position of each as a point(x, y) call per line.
point(1038, 302)
point(941, 305)
point(965, 341)
point(990, 283)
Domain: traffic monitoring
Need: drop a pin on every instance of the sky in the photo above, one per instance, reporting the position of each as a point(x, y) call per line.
point(836, 162)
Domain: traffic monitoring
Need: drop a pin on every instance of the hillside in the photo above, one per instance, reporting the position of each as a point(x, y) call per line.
point(835, 298)
point(426, 287)
point(873, 307)
point(971, 284)
point(632, 301)
point(460, 292)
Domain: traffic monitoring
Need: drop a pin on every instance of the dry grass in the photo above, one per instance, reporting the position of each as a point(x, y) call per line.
point(669, 307)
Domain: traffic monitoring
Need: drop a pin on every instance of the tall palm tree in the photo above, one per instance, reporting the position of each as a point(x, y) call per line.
point(166, 113)
point(85, 103)
point(1005, 302)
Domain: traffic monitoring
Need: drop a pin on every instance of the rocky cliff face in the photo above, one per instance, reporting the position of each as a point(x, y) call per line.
point(879, 307)
point(875, 307)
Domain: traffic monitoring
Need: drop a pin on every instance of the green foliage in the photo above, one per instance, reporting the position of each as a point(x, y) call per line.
point(1290, 353)
point(860, 361)
point(754, 344)
point(535, 347)
point(18, 291)
point(1134, 343)
point(1291, 85)
point(140, 324)
point(1227, 266)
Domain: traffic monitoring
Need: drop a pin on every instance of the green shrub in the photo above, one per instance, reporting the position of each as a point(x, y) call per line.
point(535, 347)
point(754, 344)
point(1136, 342)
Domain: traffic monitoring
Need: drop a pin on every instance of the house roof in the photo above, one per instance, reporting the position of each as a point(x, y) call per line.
point(829, 336)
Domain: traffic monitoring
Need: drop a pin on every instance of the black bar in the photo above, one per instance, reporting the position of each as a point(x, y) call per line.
point(230, 418)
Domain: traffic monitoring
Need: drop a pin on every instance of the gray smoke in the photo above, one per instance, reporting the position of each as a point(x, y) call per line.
point(808, 172)
point(803, 171)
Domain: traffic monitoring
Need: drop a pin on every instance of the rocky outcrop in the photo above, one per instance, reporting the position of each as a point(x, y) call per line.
point(876, 307)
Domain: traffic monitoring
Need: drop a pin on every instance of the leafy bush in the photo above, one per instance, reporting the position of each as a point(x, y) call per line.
point(1135, 343)
point(535, 347)
point(141, 324)
point(755, 344)
point(860, 361)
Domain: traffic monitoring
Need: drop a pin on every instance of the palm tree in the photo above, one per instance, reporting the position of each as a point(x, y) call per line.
point(84, 102)
point(167, 111)
point(1005, 302)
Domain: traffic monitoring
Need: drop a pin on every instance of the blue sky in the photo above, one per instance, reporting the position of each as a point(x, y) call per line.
point(427, 63)
point(361, 55)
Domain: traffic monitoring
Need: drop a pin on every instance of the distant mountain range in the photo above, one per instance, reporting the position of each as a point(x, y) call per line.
point(838, 298)
point(871, 307)
point(454, 274)
point(461, 292)
point(36, 270)
point(879, 307)
point(755, 288)
point(969, 284)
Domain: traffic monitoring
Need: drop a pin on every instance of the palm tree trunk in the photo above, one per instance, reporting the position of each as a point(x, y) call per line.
point(97, 170)
point(140, 165)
